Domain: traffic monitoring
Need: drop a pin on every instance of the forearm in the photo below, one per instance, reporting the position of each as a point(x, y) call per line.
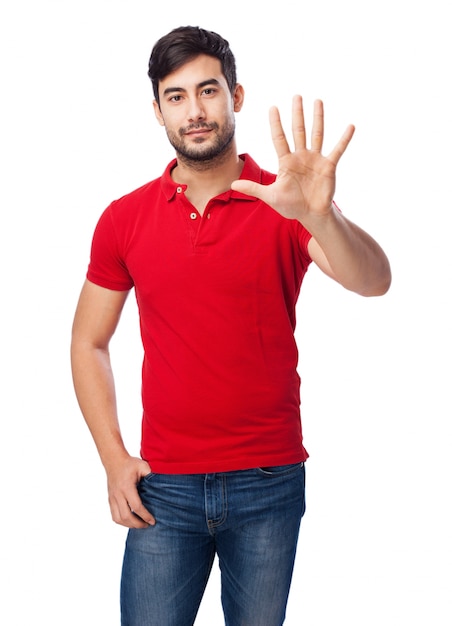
point(354, 258)
point(95, 391)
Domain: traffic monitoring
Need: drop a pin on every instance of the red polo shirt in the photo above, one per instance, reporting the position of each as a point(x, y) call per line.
point(216, 297)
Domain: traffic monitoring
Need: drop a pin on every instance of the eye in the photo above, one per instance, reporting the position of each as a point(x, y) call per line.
point(176, 98)
point(209, 91)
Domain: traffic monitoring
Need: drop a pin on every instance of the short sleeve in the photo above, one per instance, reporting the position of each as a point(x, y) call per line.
point(107, 267)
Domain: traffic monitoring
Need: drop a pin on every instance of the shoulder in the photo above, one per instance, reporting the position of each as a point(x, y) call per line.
point(137, 197)
point(149, 194)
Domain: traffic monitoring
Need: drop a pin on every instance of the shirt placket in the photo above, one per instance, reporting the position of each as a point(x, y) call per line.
point(195, 221)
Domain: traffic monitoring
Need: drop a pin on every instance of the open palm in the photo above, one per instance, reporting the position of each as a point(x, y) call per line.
point(305, 184)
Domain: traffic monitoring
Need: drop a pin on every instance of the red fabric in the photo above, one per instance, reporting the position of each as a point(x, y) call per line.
point(216, 296)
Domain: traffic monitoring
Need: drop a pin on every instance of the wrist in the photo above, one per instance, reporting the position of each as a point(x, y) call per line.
point(114, 455)
point(321, 219)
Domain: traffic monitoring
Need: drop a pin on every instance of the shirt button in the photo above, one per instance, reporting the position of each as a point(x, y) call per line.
point(193, 216)
point(179, 190)
point(208, 216)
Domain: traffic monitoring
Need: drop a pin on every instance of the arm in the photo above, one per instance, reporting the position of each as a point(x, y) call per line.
point(350, 256)
point(95, 321)
point(304, 190)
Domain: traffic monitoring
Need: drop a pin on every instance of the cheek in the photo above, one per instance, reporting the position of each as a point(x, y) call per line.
point(175, 121)
point(158, 113)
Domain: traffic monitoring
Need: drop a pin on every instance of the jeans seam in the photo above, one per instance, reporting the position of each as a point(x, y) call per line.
point(212, 524)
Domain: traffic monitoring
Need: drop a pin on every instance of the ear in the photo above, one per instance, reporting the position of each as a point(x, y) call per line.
point(238, 97)
point(158, 113)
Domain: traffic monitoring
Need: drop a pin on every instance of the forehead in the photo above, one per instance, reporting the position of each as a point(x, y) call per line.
point(193, 73)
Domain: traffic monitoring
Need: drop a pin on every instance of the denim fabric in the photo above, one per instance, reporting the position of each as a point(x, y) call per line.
point(249, 518)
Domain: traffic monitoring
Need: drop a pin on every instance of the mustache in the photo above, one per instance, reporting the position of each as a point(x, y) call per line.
point(197, 126)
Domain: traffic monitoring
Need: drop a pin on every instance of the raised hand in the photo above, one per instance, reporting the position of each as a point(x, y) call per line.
point(305, 184)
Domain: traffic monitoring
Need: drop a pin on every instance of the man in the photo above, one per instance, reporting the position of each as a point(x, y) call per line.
point(216, 250)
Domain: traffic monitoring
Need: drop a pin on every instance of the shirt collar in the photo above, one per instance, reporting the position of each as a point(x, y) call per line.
point(250, 171)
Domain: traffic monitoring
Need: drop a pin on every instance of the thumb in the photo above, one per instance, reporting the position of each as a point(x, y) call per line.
point(144, 469)
point(248, 187)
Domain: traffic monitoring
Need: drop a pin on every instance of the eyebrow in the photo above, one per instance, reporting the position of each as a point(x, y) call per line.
point(204, 83)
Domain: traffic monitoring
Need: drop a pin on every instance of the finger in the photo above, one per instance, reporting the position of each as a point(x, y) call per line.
point(130, 512)
point(128, 517)
point(122, 514)
point(277, 132)
point(137, 508)
point(342, 144)
point(255, 190)
point(143, 515)
point(298, 125)
point(249, 187)
point(317, 127)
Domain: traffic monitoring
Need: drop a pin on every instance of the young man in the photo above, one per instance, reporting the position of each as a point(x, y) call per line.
point(216, 250)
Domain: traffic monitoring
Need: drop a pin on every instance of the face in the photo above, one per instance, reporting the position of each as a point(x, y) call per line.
point(197, 110)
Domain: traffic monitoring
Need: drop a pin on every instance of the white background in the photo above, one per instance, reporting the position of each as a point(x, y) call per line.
point(77, 131)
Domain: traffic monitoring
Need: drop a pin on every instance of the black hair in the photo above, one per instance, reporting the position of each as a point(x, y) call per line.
point(184, 44)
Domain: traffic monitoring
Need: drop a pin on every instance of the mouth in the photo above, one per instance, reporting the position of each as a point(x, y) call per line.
point(198, 130)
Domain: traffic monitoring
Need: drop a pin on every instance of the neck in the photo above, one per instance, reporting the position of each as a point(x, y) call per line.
point(207, 179)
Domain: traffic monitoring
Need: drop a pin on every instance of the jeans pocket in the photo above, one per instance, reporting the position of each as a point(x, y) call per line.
point(146, 479)
point(279, 470)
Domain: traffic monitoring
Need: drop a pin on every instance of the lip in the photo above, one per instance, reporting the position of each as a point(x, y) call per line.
point(198, 131)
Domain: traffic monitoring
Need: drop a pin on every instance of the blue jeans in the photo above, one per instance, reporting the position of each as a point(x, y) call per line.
point(249, 518)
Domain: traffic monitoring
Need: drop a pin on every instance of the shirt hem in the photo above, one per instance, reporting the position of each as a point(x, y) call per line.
point(213, 467)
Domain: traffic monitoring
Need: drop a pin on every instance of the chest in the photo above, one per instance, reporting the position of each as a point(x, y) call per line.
point(231, 250)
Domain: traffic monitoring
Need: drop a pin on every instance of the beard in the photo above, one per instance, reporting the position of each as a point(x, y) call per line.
point(202, 152)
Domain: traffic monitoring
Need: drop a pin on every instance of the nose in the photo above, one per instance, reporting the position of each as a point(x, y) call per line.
point(195, 111)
